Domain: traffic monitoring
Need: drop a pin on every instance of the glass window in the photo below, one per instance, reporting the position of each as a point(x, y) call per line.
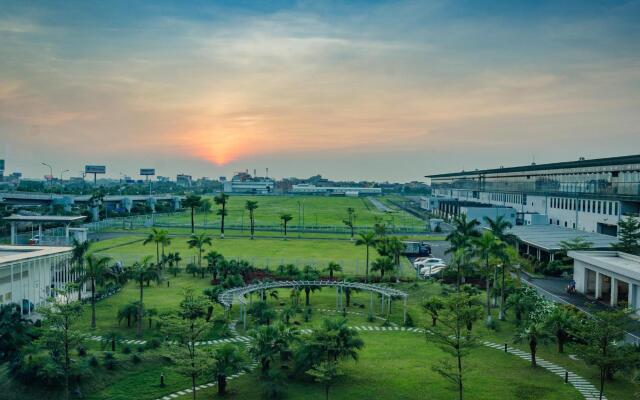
point(610, 208)
point(615, 208)
point(599, 206)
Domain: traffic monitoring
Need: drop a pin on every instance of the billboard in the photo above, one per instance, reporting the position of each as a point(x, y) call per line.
point(147, 171)
point(95, 169)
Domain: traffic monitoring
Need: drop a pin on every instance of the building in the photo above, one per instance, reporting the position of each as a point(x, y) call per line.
point(245, 183)
point(612, 277)
point(184, 180)
point(354, 191)
point(28, 274)
point(588, 195)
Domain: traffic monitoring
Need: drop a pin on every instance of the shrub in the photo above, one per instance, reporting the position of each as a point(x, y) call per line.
point(93, 361)
point(153, 344)
point(110, 362)
point(140, 349)
point(409, 321)
point(136, 359)
point(82, 351)
point(126, 349)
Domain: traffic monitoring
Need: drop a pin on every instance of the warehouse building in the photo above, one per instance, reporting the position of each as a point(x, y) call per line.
point(588, 195)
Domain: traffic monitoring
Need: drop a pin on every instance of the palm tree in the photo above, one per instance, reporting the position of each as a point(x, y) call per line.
point(485, 247)
point(198, 242)
point(460, 240)
point(499, 227)
point(533, 333)
point(221, 200)
point(285, 217)
point(95, 271)
point(269, 341)
point(367, 239)
point(214, 261)
point(382, 264)
point(395, 247)
point(142, 271)
point(227, 360)
point(560, 323)
point(78, 253)
point(351, 220)
point(192, 201)
point(309, 274)
point(128, 312)
point(251, 207)
point(333, 267)
point(156, 236)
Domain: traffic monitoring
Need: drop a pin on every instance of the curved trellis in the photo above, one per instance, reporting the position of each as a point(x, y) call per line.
point(239, 295)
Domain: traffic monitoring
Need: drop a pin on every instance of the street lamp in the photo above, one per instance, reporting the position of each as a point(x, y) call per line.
point(62, 172)
point(50, 174)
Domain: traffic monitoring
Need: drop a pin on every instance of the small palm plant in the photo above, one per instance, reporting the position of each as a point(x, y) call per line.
point(533, 333)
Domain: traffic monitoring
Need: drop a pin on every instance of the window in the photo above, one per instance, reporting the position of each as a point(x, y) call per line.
point(565, 224)
point(574, 225)
point(615, 208)
point(550, 221)
point(610, 208)
point(599, 206)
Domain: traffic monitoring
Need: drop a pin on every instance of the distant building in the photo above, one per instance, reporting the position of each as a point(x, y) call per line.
point(245, 183)
point(306, 188)
point(184, 180)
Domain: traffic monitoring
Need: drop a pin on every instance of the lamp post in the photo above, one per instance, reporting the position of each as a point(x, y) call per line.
point(50, 180)
point(62, 172)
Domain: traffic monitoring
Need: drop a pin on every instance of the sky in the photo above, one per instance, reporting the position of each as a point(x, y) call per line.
point(375, 90)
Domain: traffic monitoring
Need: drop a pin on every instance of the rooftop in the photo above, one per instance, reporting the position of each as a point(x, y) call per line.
point(44, 218)
point(582, 163)
point(615, 261)
point(10, 254)
point(549, 237)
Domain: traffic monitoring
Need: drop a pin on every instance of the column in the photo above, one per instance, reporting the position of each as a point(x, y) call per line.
point(13, 293)
point(14, 235)
point(66, 233)
point(614, 292)
point(598, 285)
point(40, 233)
point(632, 296)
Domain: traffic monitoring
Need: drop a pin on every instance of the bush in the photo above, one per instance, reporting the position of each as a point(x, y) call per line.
point(409, 321)
point(140, 349)
point(153, 344)
point(93, 361)
point(110, 362)
point(126, 349)
point(136, 359)
point(82, 351)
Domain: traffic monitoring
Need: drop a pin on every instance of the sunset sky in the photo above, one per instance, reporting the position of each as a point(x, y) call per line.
point(351, 90)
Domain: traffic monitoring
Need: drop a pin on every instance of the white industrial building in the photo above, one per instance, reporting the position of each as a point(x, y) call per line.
point(353, 191)
point(588, 195)
point(29, 273)
point(243, 183)
point(609, 276)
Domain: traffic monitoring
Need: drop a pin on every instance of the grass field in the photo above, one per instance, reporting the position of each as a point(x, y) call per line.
point(307, 211)
point(261, 252)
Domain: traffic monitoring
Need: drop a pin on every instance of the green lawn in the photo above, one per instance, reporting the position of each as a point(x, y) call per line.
point(319, 211)
point(260, 252)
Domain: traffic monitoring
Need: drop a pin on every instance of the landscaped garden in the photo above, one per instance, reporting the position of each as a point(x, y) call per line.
point(155, 326)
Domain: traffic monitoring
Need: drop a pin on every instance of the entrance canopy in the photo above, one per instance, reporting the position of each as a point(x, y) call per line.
point(40, 220)
point(550, 237)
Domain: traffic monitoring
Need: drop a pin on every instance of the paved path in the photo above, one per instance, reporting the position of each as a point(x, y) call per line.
point(586, 389)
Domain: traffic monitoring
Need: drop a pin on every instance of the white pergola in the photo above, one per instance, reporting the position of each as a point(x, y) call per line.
point(239, 295)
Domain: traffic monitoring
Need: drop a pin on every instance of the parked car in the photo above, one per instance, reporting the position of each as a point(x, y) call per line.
point(431, 270)
point(35, 240)
point(426, 262)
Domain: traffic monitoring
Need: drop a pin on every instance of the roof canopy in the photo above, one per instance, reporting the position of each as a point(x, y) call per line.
point(548, 237)
point(44, 218)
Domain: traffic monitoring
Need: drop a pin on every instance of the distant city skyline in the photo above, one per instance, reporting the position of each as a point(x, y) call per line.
point(351, 90)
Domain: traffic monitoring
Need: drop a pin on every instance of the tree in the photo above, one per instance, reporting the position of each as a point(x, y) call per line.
point(629, 235)
point(15, 331)
point(221, 200)
point(309, 274)
point(577, 243)
point(140, 272)
point(212, 294)
point(251, 206)
point(533, 333)
point(433, 306)
point(506, 256)
point(95, 271)
point(59, 337)
point(269, 341)
point(186, 329)
point(485, 247)
point(325, 373)
point(78, 253)
point(192, 201)
point(158, 237)
point(499, 227)
point(227, 360)
point(560, 324)
point(454, 337)
point(351, 220)
point(214, 263)
point(262, 312)
point(285, 217)
point(460, 240)
point(368, 240)
point(128, 312)
point(382, 264)
point(601, 338)
point(333, 267)
point(198, 242)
